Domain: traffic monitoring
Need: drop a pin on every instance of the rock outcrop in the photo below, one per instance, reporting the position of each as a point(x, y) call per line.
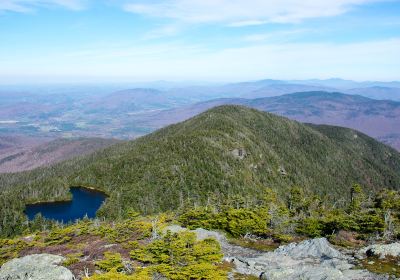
point(313, 259)
point(35, 267)
point(381, 250)
point(313, 248)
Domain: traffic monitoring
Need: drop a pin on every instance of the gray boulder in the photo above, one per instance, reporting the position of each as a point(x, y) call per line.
point(313, 248)
point(35, 267)
point(381, 250)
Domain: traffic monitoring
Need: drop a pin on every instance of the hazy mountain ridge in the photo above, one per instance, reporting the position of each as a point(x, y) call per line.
point(377, 92)
point(19, 153)
point(116, 111)
point(348, 84)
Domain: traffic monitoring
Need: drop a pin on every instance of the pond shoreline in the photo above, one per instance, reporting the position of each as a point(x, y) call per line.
point(81, 201)
point(91, 189)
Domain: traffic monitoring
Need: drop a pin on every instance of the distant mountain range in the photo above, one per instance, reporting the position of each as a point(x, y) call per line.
point(377, 92)
point(114, 112)
point(346, 84)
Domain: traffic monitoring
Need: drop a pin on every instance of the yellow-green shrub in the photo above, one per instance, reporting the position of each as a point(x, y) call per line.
point(72, 259)
point(180, 256)
point(113, 274)
point(9, 248)
point(110, 261)
point(243, 221)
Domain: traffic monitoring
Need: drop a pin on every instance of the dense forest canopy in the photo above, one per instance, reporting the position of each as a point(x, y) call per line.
point(220, 155)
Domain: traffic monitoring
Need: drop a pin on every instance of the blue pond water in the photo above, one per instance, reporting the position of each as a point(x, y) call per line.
point(84, 202)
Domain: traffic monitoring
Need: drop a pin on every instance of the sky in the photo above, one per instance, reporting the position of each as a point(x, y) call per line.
point(198, 40)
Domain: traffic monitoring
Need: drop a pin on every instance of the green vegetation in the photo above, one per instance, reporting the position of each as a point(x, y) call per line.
point(236, 222)
point(111, 261)
point(72, 259)
point(302, 214)
point(144, 252)
point(10, 248)
point(193, 164)
point(140, 248)
point(180, 256)
point(389, 266)
point(115, 275)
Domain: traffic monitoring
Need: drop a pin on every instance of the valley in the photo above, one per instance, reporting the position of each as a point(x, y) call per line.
point(110, 111)
point(20, 153)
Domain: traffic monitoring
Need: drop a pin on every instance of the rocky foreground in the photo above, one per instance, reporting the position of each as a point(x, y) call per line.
point(313, 259)
point(36, 267)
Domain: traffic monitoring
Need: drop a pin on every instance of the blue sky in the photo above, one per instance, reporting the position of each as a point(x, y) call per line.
point(204, 40)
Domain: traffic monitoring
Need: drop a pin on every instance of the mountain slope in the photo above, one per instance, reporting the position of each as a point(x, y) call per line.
point(377, 118)
point(19, 158)
point(192, 161)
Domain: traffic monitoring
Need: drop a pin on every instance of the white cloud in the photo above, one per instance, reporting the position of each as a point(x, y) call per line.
point(247, 23)
point(163, 31)
point(24, 6)
point(277, 36)
point(242, 12)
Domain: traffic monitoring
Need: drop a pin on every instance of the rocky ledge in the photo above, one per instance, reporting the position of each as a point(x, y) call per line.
point(35, 267)
point(314, 259)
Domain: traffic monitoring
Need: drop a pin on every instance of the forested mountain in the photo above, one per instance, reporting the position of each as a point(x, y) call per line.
point(222, 154)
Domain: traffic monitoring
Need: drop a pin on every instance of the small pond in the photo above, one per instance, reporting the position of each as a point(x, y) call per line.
point(84, 202)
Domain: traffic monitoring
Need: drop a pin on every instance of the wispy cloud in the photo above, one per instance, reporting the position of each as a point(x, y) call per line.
point(163, 31)
point(238, 13)
point(137, 52)
point(277, 36)
point(247, 23)
point(377, 60)
point(25, 6)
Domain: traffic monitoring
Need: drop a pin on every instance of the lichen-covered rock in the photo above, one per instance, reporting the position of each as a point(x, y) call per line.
point(35, 267)
point(315, 248)
point(382, 250)
point(313, 259)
